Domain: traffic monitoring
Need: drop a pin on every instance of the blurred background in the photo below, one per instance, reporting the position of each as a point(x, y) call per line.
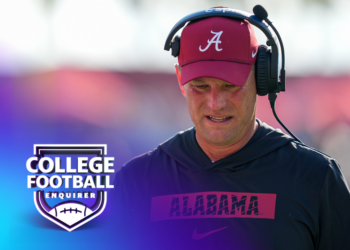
point(95, 72)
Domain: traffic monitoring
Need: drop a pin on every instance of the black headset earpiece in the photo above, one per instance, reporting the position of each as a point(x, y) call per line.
point(175, 46)
point(262, 70)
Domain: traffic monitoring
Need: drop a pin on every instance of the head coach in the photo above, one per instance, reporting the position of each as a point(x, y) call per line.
point(231, 181)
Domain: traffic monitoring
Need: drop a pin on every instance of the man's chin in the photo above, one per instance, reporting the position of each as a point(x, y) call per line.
point(218, 137)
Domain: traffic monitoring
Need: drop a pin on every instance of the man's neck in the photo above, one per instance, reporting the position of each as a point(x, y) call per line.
point(216, 153)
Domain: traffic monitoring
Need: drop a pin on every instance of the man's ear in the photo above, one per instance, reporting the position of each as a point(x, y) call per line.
point(178, 73)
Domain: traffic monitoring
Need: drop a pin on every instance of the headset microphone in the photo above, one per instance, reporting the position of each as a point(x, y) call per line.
point(262, 14)
point(269, 79)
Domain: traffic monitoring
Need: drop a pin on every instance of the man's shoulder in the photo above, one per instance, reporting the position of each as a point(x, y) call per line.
point(308, 157)
point(293, 155)
point(291, 147)
point(157, 153)
point(308, 151)
point(181, 136)
point(142, 159)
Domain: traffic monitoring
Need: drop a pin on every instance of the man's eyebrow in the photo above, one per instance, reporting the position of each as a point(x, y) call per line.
point(200, 80)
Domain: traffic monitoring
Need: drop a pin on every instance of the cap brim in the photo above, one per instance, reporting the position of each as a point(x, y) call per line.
point(232, 72)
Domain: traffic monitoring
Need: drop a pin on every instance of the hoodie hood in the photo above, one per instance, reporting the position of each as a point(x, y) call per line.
point(184, 149)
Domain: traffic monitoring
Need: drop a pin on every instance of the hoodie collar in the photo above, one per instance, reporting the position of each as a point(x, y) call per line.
point(184, 149)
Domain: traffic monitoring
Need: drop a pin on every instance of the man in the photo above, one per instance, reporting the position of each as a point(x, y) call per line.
point(231, 181)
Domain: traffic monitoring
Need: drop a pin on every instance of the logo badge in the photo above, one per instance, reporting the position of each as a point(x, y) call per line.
point(254, 54)
point(215, 39)
point(72, 179)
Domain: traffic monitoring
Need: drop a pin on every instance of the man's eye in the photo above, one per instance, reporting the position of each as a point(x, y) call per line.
point(201, 86)
point(230, 86)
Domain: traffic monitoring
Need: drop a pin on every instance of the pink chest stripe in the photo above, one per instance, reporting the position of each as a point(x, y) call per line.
point(213, 205)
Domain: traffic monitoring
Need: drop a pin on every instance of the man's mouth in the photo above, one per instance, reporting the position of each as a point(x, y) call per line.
point(219, 119)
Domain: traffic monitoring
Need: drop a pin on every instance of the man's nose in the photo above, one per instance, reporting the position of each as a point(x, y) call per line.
point(216, 99)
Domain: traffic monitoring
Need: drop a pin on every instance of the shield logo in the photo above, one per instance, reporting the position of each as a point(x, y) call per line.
point(72, 181)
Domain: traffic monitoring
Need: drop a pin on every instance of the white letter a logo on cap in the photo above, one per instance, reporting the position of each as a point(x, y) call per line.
point(215, 39)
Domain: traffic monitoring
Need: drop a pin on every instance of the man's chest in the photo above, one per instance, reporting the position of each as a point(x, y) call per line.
point(246, 210)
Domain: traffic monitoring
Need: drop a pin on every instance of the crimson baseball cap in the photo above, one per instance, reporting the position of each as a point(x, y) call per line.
point(218, 47)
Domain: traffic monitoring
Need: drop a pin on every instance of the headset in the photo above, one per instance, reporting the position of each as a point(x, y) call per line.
point(269, 79)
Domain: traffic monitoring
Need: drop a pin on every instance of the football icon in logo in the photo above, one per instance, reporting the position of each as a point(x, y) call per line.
point(70, 214)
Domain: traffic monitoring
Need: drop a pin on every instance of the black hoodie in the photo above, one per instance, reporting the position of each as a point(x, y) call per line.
point(274, 193)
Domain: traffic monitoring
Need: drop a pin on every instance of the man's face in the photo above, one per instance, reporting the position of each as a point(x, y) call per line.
point(221, 112)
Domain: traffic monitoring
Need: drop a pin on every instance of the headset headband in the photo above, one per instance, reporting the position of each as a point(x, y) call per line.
point(223, 12)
